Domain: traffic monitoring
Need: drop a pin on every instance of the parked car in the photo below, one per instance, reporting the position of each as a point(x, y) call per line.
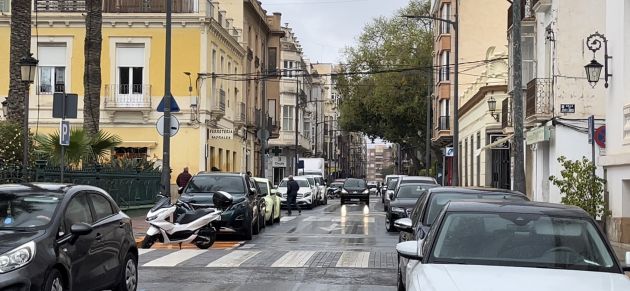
point(306, 194)
point(403, 201)
point(386, 183)
point(389, 191)
point(245, 216)
point(355, 190)
point(412, 179)
point(427, 208)
point(320, 184)
point(64, 237)
point(512, 245)
point(272, 201)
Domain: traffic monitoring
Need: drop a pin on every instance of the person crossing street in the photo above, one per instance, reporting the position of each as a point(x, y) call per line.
point(292, 191)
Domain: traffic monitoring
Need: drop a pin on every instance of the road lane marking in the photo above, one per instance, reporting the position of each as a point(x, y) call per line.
point(294, 259)
point(233, 259)
point(287, 218)
point(144, 251)
point(173, 259)
point(353, 259)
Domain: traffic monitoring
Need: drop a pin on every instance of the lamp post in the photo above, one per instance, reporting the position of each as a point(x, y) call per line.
point(454, 23)
point(594, 68)
point(28, 67)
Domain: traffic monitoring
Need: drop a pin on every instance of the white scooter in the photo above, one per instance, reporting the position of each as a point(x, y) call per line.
point(180, 223)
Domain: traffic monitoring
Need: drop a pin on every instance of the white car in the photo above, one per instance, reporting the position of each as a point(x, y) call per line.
point(508, 245)
point(320, 183)
point(306, 193)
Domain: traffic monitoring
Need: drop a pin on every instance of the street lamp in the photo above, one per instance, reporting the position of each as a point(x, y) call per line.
point(28, 67)
point(454, 23)
point(594, 68)
point(492, 107)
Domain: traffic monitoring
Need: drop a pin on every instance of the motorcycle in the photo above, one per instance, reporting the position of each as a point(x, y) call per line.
point(181, 223)
point(333, 193)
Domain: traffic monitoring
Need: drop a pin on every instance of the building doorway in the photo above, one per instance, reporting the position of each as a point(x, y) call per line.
point(278, 175)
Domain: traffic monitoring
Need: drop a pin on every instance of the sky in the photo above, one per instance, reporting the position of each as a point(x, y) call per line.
point(326, 27)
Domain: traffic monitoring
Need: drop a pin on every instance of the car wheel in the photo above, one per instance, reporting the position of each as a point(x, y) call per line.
point(261, 219)
point(248, 227)
point(342, 201)
point(256, 227)
point(273, 212)
point(54, 282)
point(129, 275)
point(277, 220)
point(326, 200)
point(389, 224)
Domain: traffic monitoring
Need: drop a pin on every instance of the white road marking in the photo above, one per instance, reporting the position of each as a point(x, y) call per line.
point(353, 259)
point(286, 218)
point(332, 227)
point(248, 246)
point(233, 259)
point(173, 259)
point(293, 259)
point(144, 251)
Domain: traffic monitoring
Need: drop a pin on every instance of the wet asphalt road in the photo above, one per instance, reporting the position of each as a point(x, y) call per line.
point(331, 247)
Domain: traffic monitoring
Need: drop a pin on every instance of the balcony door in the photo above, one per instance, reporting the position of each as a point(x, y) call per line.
point(130, 82)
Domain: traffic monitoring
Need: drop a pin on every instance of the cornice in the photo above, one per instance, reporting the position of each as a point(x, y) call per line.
point(480, 96)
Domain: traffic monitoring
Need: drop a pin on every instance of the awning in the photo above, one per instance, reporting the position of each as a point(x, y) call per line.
point(137, 144)
point(494, 144)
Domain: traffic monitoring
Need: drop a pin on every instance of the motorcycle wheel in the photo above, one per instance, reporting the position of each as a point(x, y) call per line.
point(148, 241)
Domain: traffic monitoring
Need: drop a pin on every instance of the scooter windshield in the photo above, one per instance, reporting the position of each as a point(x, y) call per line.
point(163, 202)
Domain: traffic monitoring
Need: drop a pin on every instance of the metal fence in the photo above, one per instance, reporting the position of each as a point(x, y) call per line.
point(130, 189)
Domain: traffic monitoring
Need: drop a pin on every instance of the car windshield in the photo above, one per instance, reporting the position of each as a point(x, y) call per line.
point(283, 183)
point(437, 202)
point(521, 240)
point(311, 181)
point(392, 184)
point(213, 183)
point(354, 183)
point(412, 191)
point(27, 211)
point(263, 187)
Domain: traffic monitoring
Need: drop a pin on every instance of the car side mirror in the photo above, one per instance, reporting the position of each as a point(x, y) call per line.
point(222, 199)
point(404, 225)
point(252, 191)
point(409, 250)
point(274, 191)
point(80, 229)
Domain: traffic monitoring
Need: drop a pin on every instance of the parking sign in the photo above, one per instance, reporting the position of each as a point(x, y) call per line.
point(64, 133)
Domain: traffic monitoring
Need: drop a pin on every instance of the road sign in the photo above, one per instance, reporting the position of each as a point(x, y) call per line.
point(174, 125)
point(591, 128)
point(174, 106)
point(448, 152)
point(301, 164)
point(567, 108)
point(64, 133)
point(70, 102)
point(600, 136)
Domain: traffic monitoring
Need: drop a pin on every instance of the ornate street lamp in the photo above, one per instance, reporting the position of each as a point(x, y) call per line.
point(594, 68)
point(28, 67)
point(492, 107)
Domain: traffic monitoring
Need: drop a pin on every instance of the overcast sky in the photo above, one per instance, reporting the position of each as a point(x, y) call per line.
point(326, 27)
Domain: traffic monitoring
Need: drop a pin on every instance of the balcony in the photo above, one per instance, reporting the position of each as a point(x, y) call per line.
point(506, 116)
point(241, 115)
point(538, 100)
point(117, 6)
point(128, 98)
point(218, 109)
point(59, 6)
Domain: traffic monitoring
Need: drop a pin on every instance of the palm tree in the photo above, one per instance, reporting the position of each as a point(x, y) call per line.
point(84, 147)
point(20, 47)
point(92, 72)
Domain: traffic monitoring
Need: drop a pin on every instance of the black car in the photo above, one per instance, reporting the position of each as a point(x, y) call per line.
point(244, 216)
point(355, 190)
point(403, 201)
point(64, 237)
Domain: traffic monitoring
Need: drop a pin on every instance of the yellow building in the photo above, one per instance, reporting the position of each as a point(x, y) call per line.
point(204, 43)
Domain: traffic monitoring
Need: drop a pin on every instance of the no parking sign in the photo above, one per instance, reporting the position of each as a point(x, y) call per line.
point(600, 136)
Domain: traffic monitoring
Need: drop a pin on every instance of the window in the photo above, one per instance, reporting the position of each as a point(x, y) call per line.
point(287, 117)
point(479, 159)
point(472, 161)
point(130, 67)
point(52, 68)
point(272, 110)
point(445, 14)
point(102, 207)
point(307, 129)
point(445, 66)
point(273, 58)
point(78, 211)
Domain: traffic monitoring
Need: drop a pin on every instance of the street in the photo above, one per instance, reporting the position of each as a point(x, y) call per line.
point(330, 247)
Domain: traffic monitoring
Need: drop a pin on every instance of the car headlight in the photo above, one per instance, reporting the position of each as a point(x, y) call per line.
point(344, 191)
point(398, 209)
point(366, 192)
point(17, 257)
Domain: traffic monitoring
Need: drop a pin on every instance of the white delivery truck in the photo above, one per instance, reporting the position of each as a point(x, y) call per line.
point(313, 166)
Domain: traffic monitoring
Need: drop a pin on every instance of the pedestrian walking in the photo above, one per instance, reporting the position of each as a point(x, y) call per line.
point(292, 191)
point(182, 180)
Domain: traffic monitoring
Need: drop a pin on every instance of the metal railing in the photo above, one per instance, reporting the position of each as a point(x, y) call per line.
point(444, 123)
point(148, 6)
point(538, 97)
point(48, 89)
point(222, 100)
point(506, 113)
point(59, 5)
point(128, 96)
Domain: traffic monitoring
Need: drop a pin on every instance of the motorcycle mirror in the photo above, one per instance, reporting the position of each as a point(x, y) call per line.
point(222, 199)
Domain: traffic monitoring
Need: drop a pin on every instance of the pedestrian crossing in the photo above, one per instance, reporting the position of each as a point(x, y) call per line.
point(250, 258)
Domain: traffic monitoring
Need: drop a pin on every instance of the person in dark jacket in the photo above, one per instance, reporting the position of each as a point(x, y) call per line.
point(292, 191)
point(182, 180)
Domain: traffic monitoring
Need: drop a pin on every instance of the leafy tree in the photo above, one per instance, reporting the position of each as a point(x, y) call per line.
point(11, 152)
point(390, 104)
point(579, 187)
point(83, 146)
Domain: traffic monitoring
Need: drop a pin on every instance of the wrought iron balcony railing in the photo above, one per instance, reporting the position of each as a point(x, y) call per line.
point(538, 99)
point(128, 96)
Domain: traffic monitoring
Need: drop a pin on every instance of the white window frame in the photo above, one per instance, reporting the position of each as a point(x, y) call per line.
point(53, 41)
point(288, 111)
point(115, 42)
